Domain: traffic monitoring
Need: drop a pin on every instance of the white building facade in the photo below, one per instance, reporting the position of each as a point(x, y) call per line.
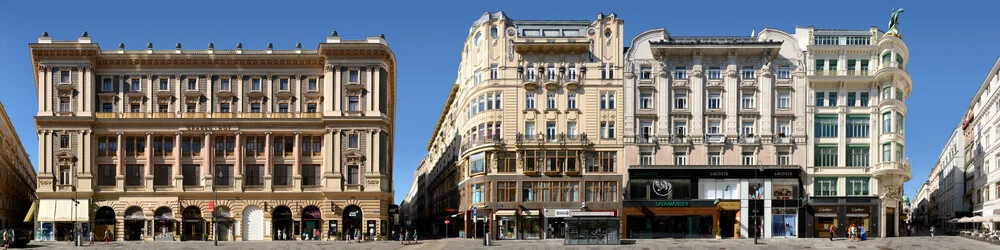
point(982, 150)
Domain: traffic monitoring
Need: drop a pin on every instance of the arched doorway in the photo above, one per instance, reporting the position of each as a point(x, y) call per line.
point(224, 221)
point(311, 221)
point(352, 220)
point(282, 220)
point(193, 225)
point(253, 223)
point(163, 224)
point(135, 221)
point(104, 221)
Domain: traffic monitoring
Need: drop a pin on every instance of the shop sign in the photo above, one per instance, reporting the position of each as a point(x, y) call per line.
point(729, 205)
point(592, 213)
point(451, 210)
point(673, 203)
point(826, 210)
point(859, 209)
point(561, 213)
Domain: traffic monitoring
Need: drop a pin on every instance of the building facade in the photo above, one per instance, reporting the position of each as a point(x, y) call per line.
point(231, 144)
point(715, 135)
point(527, 139)
point(17, 177)
point(981, 127)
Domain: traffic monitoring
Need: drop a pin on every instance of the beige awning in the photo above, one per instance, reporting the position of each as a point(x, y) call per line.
point(505, 212)
point(31, 212)
point(62, 210)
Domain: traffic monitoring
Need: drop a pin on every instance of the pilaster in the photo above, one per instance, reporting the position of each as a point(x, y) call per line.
point(120, 162)
point(147, 169)
point(177, 175)
point(238, 164)
point(377, 89)
point(206, 165)
point(268, 159)
point(297, 163)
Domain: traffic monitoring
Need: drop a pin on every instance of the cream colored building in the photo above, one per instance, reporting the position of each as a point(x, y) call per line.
point(278, 143)
point(531, 129)
point(982, 151)
point(17, 177)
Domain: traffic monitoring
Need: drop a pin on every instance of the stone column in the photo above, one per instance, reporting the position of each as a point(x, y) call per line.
point(328, 98)
point(337, 96)
point(269, 89)
point(371, 89)
point(177, 174)
point(47, 93)
point(238, 164)
point(268, 160)
point(238, 107)
point(120, 175)
point(206, 164)
point(337, 162)
point(297, 163)
point(81, 85)
point(377, 89)
point(369, 155)
point(147, 169)
point(121, 92)
point(210, 95)
point(327, 159)
point(377, 153)
point(41, 94)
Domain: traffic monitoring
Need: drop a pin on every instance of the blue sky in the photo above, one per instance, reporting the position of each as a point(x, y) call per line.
point(952, 46)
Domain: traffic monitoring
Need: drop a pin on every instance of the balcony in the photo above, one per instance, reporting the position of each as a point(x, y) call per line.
point(65, 86)
point(892, 168)
point(563, 138)
point(679, 139)
point(354, 86)
point(131, 115)
point(782, 140)
point(493, 140)
point(223, 115)
point(715, 139)
point(160, 115)
point(282, 115)
point(310, 115)
point(645, 139)
point(194, 115)
point(530, 83)
point(134, 93)
point(106, 115)
point(748, 139)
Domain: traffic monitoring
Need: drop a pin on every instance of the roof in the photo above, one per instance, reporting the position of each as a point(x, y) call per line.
point(841, 32)
point(717, 40)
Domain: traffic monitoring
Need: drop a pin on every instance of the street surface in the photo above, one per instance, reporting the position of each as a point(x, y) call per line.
point(907, 243)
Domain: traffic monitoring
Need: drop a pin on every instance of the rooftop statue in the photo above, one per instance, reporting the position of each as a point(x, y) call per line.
point(894, 23)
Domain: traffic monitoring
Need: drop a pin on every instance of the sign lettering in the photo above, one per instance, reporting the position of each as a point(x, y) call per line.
point(673, 203)
point(208, 128)
point(782, 173)
point(719, 174)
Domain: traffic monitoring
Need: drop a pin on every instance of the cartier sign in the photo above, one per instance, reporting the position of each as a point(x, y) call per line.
point(826, 209)
point(859, 209)
point(208, 128)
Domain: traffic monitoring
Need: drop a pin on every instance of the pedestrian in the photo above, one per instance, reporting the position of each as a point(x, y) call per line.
point(401, 235)
point(91, 238)
point(6, 241)
point(932, 231)
point(415, 239)
point(357, 235)
point(107, 236)
point(371, 234)
point(831, 231)
point(864, 234)
point(347, 235)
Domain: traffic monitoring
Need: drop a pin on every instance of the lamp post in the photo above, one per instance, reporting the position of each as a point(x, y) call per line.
point(215, 218)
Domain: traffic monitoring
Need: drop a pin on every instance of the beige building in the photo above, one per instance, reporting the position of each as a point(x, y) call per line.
point(17, 177)
point(233, 144)
point(530, 131)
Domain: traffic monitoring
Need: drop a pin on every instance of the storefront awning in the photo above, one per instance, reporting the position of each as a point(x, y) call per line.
point(31, 212)
point(62, 210)
point(505, 212)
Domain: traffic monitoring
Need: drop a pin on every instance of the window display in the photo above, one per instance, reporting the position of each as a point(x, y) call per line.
point(531, 227)
point(784, 221)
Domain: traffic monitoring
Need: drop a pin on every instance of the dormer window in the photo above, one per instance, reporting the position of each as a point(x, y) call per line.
point(312, 85)
point(224, 84)
point(255, 84)
point(283, 84)
point(354, 75)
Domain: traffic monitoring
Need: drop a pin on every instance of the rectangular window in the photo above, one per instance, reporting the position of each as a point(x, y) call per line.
point(64, 141)
point(714, 127)
point(163, 108)
point(135, 86)
point(163, 146)
point(283, 84)
point(571, 129)
point(164, 85)
point(863, 99)
point(680, 158)
point(224, 84)
point(134, 108)
point(107, 107)
point(64, 105)
point(133, 174)
point(530, 73)
point(161, 175)
point(311, 145)
point(826, 156)
point(477, 193)
point(353, 141)
point(832, 98)
point(857, 156)
point(283, 108)
point(820, 65)
point(225, 145)
point(680, 72)
point(311, 108)
point(886, 152)
point(550, 73)
point(550, 101)
point(224, 107)
point(645, 101)
point(310, 175)
point(506, 191)
point(550, 131)
point(748, 101)
point(192, 84)
point(601, 191)
point(784, 158)
point(784, 100)
point(602, 162)
point(826, 126)
point(748, 158)
point(283, 145)
point(646, 158)
point(571, 75)
point(107, 85)
point(353, 103)
point(354, 76)
point(819, 99)
point(64, 76)
point(607, 100)
point(899, 123)
point(899, 152)
point(851, 99)
point(255, 146)
point(680, 101)
point(312, 84)
point(106, 175)
point(784, 72)
point(748, 72)
point(191, 107)
point(714, 72)
point(680, 128)
point(887, 122)
point(570, 101)
point(714, 100)
point(529, 101)
point(255, 84)
point(107, 146)
point(607, 130)
point(191, 146)
point(353, 175)
point(494, 72)
point(825, 186)
point(283, 175)
point(858, 186)
point(784, 128)
point(529, 130)
point(192, 175)
point(714, 158)
point(135, 146)
point(65, 175)
point(833, 65)
point(857, 126)
point(507, 162)
point(254, 175)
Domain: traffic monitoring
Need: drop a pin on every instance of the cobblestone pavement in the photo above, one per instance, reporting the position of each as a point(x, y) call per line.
point(907, 243)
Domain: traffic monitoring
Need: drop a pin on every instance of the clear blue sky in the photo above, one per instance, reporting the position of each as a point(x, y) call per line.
point(951, 45)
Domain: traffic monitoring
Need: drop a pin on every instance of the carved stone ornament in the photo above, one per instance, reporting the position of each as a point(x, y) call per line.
point(892, 192)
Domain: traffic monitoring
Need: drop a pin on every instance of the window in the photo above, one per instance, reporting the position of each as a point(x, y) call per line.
point(65, 175)
point(886, 93)
point(106, 175)
point(224, 84)
point(192, 84)
point(507, 191)
point(507, 162)
point(529, 130)
point(477, 163)
point(857, 156)
point(826, 126)
point(572, 73)
point(311, 108)
point(550, 131)
point(747, 128)
point(680, 158)
point(352, 141)
point(851, 99)
point(680, 72)
point(602, 162)
point(64, 76)
point(646, 158)
point(164, 85)
point(550, 73)
point(283, 175)
point(550, 101)
point(312, 84)
point(680, 128)
point(530, 75)
point(353, 103)
point(191, 146)
point(190, 108)
point(899, 123)
point(282, 107)
point(571, 129)
point(857, 126)
point(224, 145)
point(784, 100)
point(161, 175)
point(825, 186)
point(311, 145)
point(133, 174)
point(354, 76)
point(254, 175)
point(134, 108)
point(784, 158)
point(820, 64)
point(477, 193)
point(863, 99)
point(887, 122)
point(714, 72)
point(645, 101)
point(857, 186)
point(353, 172)
point(748, 72)
point(784, 72)
point(107, 85)
point(163, 108)
point(607, 71)
point(310, 175)
point(784, 128)
point(607, 100)
point(255, 84)
point(832, 96)
point(714, 100)
point(223, 107)
point(255, 145)
point(607, 130)
point(107, 146)
point(283, 84)
point(748, 158)
point(601, 191)
point(819, 99)
point(715, 158)
point(886, 152)
point(135, 86)
point(570, 101)
point(530, 193)
point(135, 146)
point(163, 145)
point(748, 101)
point(283, 145)
point(64, 105)
point(714, 127)
point(899, 94)
point(191, 175)
point(494, 72)
point(64, 141)
point(529, 101)
point(680, 100)
point(477, 77)
point(899, 152)
point(826, 156)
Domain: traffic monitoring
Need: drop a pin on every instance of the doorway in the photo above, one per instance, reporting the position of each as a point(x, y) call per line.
point(352, 220)
point(135, 222)
point(282, 220)
point(311, 220)
point(193, 226)
point(253, 224)
point(727, 220)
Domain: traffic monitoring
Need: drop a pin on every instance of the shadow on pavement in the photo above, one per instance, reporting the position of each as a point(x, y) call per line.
point(628, 242)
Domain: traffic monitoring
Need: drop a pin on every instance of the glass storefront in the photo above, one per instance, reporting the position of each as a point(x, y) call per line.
point(531, 227)
point(823, 224)
point(593, 231)
point(783, 222)
point(652, 227)
point(555, 228)
point(507, 227)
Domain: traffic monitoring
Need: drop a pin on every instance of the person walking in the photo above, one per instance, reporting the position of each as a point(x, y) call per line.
point(864, 234)
point(91, 238)
point(6, 241)
point(415, 239)
point(932, 231)
point(831, 231)
point(107, 236)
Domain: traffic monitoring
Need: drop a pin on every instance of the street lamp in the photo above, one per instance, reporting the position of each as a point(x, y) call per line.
point(215, 218)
